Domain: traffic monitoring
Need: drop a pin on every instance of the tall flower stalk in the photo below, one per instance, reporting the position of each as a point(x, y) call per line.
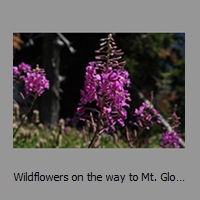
point(35, 84)
point(104, 90)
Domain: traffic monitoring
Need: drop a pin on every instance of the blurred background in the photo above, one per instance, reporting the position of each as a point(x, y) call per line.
point(155, 61)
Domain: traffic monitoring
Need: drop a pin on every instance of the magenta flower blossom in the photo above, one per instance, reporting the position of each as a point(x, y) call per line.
point(92, 80)
point(16, 71)
point(36, 82)
point(170, 139)
point(146, 116)
point(35, 79)
point(23, 67)
point(105, 82)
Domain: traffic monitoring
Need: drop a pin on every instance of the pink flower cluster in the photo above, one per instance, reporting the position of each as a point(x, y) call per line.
point(105, 82)
point(36, 82)
point(35, 79)
point(21, 68)
point(92, 82)
point(170, 139)
point(146, 116)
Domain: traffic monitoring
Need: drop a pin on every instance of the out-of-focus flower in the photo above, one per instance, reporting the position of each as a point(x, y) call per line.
point(36, 82)
point(35, 79)
point(81, 110)
point(23, 67)
point(170, 139)
point(67, 129)
point(146, 116)
point(15, 71)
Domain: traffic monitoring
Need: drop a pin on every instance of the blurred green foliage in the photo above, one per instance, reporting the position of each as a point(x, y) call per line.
point(33, 136)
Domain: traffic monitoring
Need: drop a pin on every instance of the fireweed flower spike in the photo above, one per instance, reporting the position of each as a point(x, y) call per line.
point(171, 139)
point(105, 82)
point(35, 83)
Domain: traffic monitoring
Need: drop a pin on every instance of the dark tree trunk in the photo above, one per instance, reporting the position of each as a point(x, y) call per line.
point(50, 100)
